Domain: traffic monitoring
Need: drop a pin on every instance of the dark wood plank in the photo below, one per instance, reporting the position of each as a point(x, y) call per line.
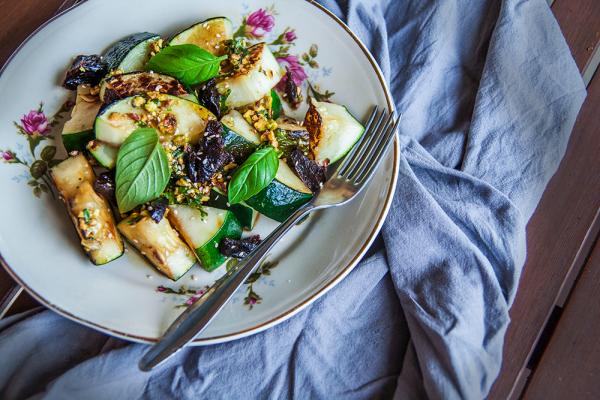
point(17, 20)
point(570, 367)
point(560, 231)
point(580, 23)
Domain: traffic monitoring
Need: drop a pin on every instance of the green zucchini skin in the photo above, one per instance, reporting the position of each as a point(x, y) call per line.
point(118, 52)
point(77, 141)
point(277, 201)
point(245, 214)
point(209, 255)
point(237, 146)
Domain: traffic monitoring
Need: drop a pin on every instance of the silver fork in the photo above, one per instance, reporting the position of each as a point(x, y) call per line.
point(352, 175)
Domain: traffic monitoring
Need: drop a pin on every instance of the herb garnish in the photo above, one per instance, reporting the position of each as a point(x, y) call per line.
point(187, 62)
point(253, 175)
point(142, 169)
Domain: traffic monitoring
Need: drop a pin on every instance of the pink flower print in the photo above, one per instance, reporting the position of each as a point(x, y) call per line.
point(35, 123)
point(9, 156)
point(259, 23)
point(289, 36)
point(293, 65)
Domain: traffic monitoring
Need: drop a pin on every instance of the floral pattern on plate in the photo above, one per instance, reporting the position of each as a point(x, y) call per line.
point(36, 128)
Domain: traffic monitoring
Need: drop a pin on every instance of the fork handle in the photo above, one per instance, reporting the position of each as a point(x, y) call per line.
point(197, 316)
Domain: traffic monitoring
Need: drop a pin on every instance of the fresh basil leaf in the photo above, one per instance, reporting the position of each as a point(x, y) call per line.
point(275, 104)
point(142, 169)
point(186, 62)
point(253, 175)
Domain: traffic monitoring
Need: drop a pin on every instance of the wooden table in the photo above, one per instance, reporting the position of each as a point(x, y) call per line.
point(552, 348)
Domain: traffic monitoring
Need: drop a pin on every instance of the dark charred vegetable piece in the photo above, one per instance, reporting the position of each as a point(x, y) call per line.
point(157, 209)
point(104, 185)
point(292, 93)
point(238, 248)
point(291, 136)
point(85, 70)
point(209, 97)
point(206, 159)
point(311, 173)
point(125, 85)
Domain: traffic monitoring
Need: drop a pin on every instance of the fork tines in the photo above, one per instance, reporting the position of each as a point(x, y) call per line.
point(359, 164)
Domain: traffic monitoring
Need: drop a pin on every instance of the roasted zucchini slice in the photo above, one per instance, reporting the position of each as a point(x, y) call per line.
point(284, 195)
point(240, 138)
point(90, 212)
point(333, 131)
point(208, 35)
point(120, 86)
point(203, 230)
point(168, 114)
point(290, 135)
point(131, 53)
point(105, 154)
point(79, 129)
point(159, 243)
point(259, 73)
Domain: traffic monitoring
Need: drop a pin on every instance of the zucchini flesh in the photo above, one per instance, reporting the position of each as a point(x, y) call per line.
point(284, 195)
point(119, 119)
point(333, 131)
point(240, 138)
point(203, 230)
point(124, 85)
point(159, 243)
point(253, 82)
point(131, 53)
point(103, 153)
point(79, 129)
point(208, 35)
point(90, 213)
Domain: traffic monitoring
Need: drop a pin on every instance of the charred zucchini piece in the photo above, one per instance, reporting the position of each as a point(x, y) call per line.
point(333, 131)
point(130, 53)
point(290, 136)
point(254, 79)
point(90, 213)
point(117, 120)
point(159, 243)
point(79, 129)
point(124, 85)
point(208, 35)
point(240, 138)
point(284, 195)
point(105, 154)
point(203, 229)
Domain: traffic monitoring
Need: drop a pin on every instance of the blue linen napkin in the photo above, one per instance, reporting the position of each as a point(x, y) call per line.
point(489, 93)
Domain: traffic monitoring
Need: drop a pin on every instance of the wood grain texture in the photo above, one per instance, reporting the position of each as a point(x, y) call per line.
point(580, 23)
point(570, 365)
point(19, 18)
point(556, 234)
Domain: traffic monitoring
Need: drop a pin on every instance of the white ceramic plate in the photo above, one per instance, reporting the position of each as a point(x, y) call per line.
point(39, 246)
